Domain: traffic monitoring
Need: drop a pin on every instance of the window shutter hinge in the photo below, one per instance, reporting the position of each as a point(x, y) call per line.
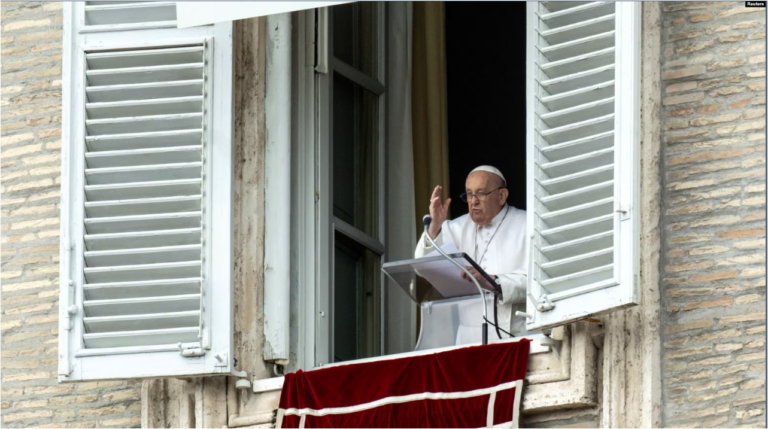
point(191, 351)
point(72, 309)
point(544, 304)
point(243, 382)
point(624, 210)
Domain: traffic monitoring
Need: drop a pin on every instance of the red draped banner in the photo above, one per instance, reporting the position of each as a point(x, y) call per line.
point(477, 386)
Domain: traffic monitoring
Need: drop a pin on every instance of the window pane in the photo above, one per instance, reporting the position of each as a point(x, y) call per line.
point(354, 35)
point(356, 303)
point(347, 275)
point(355, 155)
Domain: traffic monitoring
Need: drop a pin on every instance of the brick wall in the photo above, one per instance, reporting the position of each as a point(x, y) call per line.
point(713, 209)
point(30, 175)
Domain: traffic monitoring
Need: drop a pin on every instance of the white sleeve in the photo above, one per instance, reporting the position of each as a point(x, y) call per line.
point(513, 288)
point(424, 247)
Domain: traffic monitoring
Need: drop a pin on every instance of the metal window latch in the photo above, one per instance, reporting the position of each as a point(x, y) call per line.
point(624, 210)
point(221, 359)
point(522, 314)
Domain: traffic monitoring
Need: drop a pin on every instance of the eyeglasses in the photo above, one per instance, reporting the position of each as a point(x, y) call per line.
point(481, 196)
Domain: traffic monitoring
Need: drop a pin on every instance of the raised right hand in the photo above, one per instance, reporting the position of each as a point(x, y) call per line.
point(438, 210)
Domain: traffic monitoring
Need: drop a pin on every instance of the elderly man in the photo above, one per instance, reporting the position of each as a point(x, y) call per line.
point(492, 234)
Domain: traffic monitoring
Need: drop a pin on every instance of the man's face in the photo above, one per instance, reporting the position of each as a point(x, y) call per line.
point(483, 212)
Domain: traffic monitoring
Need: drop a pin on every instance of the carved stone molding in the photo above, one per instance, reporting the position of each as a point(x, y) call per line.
point(569, 381)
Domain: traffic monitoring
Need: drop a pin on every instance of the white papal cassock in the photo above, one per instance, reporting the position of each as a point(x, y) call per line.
point(500, 248)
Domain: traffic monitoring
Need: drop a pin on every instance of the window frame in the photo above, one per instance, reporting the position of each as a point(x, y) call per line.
point(328, 224)
point(75, 362)
point(312, 237)
point(311, 262)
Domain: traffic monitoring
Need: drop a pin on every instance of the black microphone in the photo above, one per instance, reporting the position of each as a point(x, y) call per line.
point(427, 221)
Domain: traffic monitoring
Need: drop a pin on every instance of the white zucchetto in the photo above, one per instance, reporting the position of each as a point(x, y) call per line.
point(490, 169)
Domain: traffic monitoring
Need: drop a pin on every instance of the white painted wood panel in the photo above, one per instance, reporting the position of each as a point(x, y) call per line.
point(147, 155)
point(583, 105)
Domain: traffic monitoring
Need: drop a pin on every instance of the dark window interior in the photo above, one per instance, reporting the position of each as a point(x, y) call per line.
point(486, 94)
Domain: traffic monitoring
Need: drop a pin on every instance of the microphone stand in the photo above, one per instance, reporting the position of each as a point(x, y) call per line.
point(427, 221)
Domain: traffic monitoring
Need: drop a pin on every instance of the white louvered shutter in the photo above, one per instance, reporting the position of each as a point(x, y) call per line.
point(127, 15)
point(146, 195)
point(583, 140)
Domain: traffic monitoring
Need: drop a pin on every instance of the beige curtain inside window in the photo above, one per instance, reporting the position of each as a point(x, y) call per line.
point(429, 104)
point(401, 329)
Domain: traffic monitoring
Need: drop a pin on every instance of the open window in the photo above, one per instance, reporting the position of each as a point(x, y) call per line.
point(146, 265)
point(575, 104)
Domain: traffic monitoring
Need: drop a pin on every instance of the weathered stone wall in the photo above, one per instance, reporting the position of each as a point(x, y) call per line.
point(713, 254)
point(30, 174)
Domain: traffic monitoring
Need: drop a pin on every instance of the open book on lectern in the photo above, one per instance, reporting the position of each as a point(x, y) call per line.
point(441, 275)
